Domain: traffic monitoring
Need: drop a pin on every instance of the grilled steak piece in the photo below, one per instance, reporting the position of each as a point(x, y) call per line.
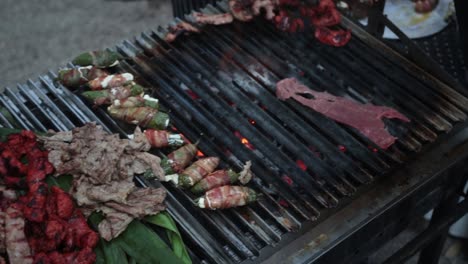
point(17, 246)
point(114, 224)
point(366, 118)
point(103, 167)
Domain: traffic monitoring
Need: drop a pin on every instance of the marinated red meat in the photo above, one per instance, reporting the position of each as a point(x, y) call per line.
point(41, 221)
point(366, 118)
point(336, 37)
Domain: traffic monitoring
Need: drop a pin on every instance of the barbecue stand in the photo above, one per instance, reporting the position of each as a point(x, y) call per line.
point(349, 200)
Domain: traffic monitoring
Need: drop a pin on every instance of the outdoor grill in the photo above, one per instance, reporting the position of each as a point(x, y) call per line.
point(328, 194)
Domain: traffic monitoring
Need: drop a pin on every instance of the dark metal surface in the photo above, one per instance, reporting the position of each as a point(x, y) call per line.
point(220, 85)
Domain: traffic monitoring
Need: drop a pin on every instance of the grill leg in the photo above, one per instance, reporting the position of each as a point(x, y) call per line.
point(431, 253)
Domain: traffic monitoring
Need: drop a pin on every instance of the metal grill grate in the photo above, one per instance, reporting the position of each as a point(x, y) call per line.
point(219, 86)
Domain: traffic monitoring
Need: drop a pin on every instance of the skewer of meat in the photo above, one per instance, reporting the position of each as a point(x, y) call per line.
point(136, 101)
point(110, 81)
point(226, 197)
point(100, 58)
point(195, 172)
point(163, 138)
point(146, 117)
point(108, 96)
point(180, 158)
point(75, 77)
point(221, 178)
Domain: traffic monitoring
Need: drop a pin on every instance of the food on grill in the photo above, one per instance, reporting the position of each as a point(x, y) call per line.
point(110, 81)
point(17, 246)
point(100, 58)
point(333, 37)
point(287, 15)
point(136, 101)
point(195, 172)
point(108, 96)
point(163, 138)
point(43, 224)
point(218, 19)
point(143, 116)
point(226, 197)
point(179, 29)
point(103, 167)
point(180, 158)
point(221, 178)
point(366, 118)
point(76, 77)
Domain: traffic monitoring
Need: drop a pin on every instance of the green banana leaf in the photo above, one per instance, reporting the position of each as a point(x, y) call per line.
point(145, 246)
point(164, 220)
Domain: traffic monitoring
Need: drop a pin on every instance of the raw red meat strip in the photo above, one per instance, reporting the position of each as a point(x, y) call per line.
point(367, 118)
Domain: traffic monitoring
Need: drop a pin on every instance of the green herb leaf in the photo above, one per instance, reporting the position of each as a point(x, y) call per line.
point(113, 253)
point(165, 221)
point(62, 181)
point(144, 245)
point(100, 259)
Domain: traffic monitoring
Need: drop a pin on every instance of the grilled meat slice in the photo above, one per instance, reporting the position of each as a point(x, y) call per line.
point(86, 193)
point(367, 118)
point(114, 224)
point(179, 29)
point(141, 202)
point(17, 246)
point(218, 19)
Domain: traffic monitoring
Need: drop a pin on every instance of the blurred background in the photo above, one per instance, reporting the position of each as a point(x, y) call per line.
point(36, 36)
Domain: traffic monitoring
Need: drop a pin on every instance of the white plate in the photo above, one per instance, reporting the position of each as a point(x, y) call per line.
point(414, 25)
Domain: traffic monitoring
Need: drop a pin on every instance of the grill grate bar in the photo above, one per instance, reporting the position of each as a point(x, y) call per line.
point(308, 156)
point(213, 125)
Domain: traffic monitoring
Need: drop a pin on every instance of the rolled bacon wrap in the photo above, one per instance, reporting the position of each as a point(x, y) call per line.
point(197, 171)
point(108, 96)
point(110, 81)
point(180, 158)
point(75, 77)
point(136, 101)
point(227, 197)
point(146, 117)
point(163, 138)
point(223, 177)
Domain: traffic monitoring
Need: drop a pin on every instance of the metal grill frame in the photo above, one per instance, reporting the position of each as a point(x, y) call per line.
point(328, 240)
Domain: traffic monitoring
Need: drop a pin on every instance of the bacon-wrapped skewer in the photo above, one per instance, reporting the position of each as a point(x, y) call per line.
point(110, 81)
point(180, 158)
point(100, 58)
point(146, 117)
point(226, 197)
point(76, 77)
point(195, 172)
point(223, 177)
point(136, 101)
point(163, 138)
point(115, 93)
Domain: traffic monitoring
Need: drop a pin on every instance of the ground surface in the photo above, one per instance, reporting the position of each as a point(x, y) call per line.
point(36, 36)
